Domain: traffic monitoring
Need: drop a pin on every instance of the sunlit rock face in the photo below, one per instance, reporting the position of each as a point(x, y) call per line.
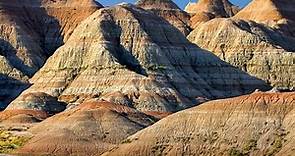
point(91, 128)
point(169, 11)
point(256, 124)
point(205, 10)
point(277, 14)
point(257, 44)
point(117, 55)
point(30, 31)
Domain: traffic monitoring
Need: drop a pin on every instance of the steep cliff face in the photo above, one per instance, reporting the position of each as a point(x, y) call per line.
point(278, 14)
point(254, 48)
point(30, 31)
point(256, 124)
point(205, 10)
point(168, 10)
point(89, 129)
point(117, 52)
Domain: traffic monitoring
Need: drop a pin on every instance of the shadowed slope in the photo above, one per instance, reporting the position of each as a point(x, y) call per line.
point(278, 14)
point(117, 52)
point(31, 30)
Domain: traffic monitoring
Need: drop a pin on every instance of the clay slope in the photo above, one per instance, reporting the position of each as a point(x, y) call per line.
point(254, 48)
point(30, 31)
point(89, 129)
point(31, 108)
point(205, 10)
point(256, 124)
point(116, 55)
point(278, 14)
point(168, 10)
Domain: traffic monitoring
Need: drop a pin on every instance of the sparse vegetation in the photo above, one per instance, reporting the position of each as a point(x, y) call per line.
point(126, 141)
point(157, 67)
point(10, 142)
point(249, 146)
point(276, 146)
point(235, 152)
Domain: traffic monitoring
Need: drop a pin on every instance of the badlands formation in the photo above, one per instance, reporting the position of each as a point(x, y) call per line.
point(205, 10)
point(30, 31)
point(116, 55)
point(169, 11)
point(81, 79)
point(256, 124)
point(251, 43)
point(92, 128)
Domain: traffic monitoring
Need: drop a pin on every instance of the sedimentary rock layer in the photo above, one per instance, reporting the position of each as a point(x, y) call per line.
point(255, 48)
point(30, 31)
point(278, 14)
point(117, 55)
point(205, 10)
point(168, 10)
point(256, 124)
point(89, 129)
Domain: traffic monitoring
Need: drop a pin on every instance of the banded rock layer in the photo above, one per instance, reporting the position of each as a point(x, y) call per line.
point(89, 129)
point(205, 10)
point(115, 54)
point(278, 14)
point(255, 48)
point(30, 31)
point(168, 10)
point(256, 124)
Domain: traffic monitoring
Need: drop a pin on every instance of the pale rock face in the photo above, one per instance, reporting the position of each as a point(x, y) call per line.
point(116, 51)
point(91, 128)
point(205, 10)
point(277, 14)
point(168, 10)
point(30, 31)
point(254, 48)
point(256, 124)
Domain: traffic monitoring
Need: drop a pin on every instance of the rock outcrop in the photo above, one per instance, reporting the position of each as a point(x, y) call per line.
point(256, 124)
point(278, 14)
point(168, 10)
point(254, 47)
point(117, 54)
point(38, 101)
point(19, 117)
point(89, 129)
point(205, 10)
point(30, 31)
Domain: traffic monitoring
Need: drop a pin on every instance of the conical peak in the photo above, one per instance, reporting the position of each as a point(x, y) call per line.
point(268, 10)
point(76, 3)
point(157, 4)
point(219, 8)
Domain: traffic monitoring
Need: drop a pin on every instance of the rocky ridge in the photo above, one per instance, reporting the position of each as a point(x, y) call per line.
point(256, 48)
point(277, 14)
point(30, 32)
point(205, 10)
point(88, 129)
point(256, 124)
point(115, 54)
point(168, 10)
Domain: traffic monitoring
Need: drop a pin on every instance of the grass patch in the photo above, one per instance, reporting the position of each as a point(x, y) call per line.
point(235, 152)
point(10, 142)
point(276, 146)
point(126, 141)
